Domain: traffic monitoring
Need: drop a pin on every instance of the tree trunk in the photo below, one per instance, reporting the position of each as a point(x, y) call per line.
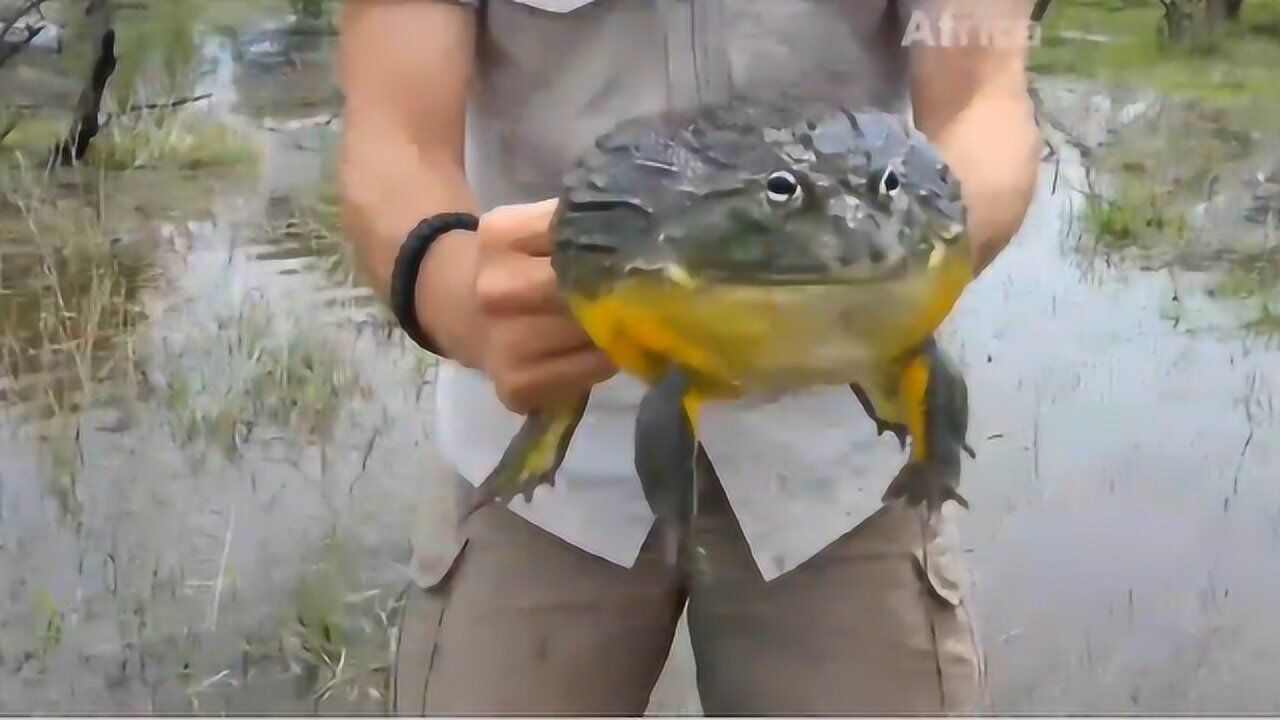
point(88, 110)
point(1179, 22)
point(1221, 11)
point(1215, 12)
point(1040, 10)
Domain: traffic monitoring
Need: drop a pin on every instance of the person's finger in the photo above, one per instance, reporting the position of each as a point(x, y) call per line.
point(521, 228)
point(556, 379)
point(546, 336)
point(536, 239)
point(511, 285)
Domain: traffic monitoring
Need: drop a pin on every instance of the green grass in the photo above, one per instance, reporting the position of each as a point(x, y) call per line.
point(32, 136)
point(1135, 216)
point(340, 637)
point(234, 13)
point(255, 369)
point(311, 221)
point(1240, 63)
point(1256, 281)
point(69, 308)
point(157, 46)
point(1267, 323)
point(313, 16)
point(70, 294)
point(1121, 221)
point(1160, 166)
point(47, 623)
point(187, 141)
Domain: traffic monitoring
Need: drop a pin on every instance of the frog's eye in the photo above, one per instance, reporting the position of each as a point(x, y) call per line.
point(782, 187)
point(890, 183)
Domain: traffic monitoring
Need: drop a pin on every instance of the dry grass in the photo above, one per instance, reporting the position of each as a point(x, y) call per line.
point(187, 141)
point(255, 370)
point(71, 295)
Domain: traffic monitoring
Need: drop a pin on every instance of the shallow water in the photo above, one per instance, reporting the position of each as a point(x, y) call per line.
point(171, 548)
point(1125, 519)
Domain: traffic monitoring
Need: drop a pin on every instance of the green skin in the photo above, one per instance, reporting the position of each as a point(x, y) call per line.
point(804, 195)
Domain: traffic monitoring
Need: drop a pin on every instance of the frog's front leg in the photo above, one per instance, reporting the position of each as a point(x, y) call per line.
point(932, 402)
point(533, 456)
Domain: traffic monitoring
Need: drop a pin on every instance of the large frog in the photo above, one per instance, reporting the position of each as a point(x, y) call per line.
point(752, 250)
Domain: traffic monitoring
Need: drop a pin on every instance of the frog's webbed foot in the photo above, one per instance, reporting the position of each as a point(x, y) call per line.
point(883, 426)
point(920, 483)
point(936, 403)
point(532, 458)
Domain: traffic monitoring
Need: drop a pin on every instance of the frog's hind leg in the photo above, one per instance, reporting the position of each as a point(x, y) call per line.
point(664, 459)
point(934, 401)
point(532, 457)
point(668, 460)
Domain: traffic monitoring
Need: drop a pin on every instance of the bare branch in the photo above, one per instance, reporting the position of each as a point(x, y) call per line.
point(23, 10)
point(170, 105)
point(10, 47)
point(9, 126)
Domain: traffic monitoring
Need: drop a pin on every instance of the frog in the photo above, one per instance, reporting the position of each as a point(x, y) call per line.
point(750, 250)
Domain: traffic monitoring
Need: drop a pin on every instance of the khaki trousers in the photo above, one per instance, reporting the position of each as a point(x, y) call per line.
point(525, 623)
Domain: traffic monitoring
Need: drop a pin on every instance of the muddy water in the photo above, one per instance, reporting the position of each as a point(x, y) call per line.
point(179, 547)
point(1126, 515)
point(224, 528)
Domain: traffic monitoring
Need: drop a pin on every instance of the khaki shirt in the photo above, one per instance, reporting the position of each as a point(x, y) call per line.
point(552, 75)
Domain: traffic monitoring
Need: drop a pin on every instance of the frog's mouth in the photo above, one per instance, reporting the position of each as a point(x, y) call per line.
point(596, 266)
point(679, 275)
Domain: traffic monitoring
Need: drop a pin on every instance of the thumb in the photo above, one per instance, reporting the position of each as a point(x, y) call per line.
point(523, 228)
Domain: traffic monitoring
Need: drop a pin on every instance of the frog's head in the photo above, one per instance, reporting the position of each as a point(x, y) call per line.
point(767, 196)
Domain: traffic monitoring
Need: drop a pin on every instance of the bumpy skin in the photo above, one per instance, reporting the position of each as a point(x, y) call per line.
point(690, 190)
point(758, 249)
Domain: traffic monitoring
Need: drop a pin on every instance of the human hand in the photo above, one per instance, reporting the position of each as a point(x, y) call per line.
point(532, 349)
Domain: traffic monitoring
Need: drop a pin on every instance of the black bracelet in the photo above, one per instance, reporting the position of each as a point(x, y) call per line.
point(404, 275)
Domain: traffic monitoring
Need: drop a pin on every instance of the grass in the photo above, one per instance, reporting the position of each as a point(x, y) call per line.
point(313, 16)
point(186, 141)
point(1163, 186)
point(1267, 323)
point(71, 323)
point(1236, 65)
point(328, 640)
point(158, 48)
point(158, 45)
point(70, 306)
point(243, 12)
point(1134, 215)
point(256, 370)
point(1159, 167)
point(310, 221)
point(71, 296)
point(1255, 280)
point(47, 623)
point(32, 136)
